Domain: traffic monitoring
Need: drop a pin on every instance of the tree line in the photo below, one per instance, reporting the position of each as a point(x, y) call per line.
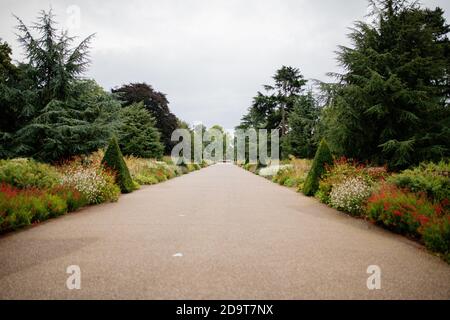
point(50, 112)
point(389, 106)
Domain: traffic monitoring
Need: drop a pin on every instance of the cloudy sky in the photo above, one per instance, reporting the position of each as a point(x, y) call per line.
point(209, 56)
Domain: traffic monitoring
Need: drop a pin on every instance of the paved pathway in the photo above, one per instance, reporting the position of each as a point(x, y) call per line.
point(218, 233)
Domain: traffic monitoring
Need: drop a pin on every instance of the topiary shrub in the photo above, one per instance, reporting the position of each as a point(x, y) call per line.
point(323, 157)
point(113, 160)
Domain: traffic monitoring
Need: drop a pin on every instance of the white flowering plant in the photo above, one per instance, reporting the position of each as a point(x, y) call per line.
point(96, 184)
point(272, 170)
point(350, 195)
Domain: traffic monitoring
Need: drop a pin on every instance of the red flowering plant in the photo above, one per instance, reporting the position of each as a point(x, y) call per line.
point(21, 207)
point(403, 211)
point(341, 170)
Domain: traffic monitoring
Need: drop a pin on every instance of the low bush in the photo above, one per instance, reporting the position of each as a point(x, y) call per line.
point(294, 173)
point(350, 195)
point(27, 173)
point(252, 167)
point(281, 175)
point(322, 158)
point(341, 170)
point(193, 167)
point(413, 214)
point(21, 207)
point(436, 236)
point(96, 185)
point(71, 196)
point(400, 210)
point(431, 178)
point(146, 171)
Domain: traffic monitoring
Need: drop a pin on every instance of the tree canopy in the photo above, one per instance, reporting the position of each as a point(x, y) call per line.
point(391, 103)
point(156, 103)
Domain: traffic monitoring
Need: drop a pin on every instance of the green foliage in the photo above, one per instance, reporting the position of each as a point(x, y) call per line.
point(436, 236)
point(283, 175)
point(322, 158)
point(26, 173)
point(272, 110)
point(48, 112)
point(73, 198)
point(17, 99)
point(137, 133)
point(147, 171)
point(391, 105)
point(431, 178)
point(114, 161)
point(341, 170)
point(62, 129)
point(21, 207)
point(251, 167)
point(401, 211)
point(413, 214)
point(55, 62)
point(300, 141)
point(156, 103)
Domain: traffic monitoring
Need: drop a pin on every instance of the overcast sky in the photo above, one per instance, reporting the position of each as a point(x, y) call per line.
point(210, 57)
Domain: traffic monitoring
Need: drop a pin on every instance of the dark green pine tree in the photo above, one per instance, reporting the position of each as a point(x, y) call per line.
point(18, 98)
point(113, 160)
point(300, 140)
point(137, 133)
point(81, 124)
point(62, 115)
point(391, 105)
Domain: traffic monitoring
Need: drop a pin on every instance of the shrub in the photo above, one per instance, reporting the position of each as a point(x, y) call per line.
point(272, 170)
point(341, 170)
point(350, 195)
point(436, 235)
point(26, 173)
point(95, 184)
point(294, 173)
point(322, 158)
point(146, 171)
point(193, 167)
point(399, 210)
point(168, 160)
point(280, 174)
point(74, 198)
point(21, 207)
point(56, 205)
point(252, 167)
point(113, 160)
point(431, 178)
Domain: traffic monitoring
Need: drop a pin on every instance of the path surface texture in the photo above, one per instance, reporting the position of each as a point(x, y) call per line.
point(218, 233)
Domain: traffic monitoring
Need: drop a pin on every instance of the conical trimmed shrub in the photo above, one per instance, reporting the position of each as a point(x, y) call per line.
point(113, 160)
point(323, 156)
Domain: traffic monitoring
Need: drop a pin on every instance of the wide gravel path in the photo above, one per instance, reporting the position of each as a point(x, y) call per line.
point(218, 233)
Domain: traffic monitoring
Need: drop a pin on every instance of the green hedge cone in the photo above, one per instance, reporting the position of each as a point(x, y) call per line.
point(113, 160)
point(323, 156)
